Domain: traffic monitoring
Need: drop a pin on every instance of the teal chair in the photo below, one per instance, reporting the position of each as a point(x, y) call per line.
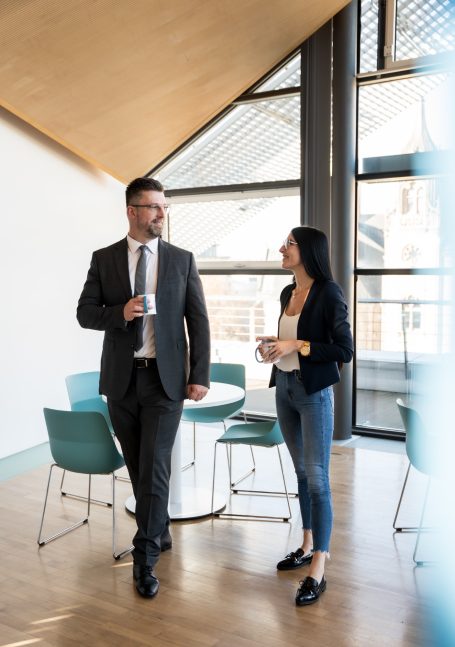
point(80, 441)
point(83, 394)
point(227, 374)
point(254, 434)
point(421, 450)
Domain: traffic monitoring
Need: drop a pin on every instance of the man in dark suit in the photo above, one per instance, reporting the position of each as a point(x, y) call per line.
point(147, 369)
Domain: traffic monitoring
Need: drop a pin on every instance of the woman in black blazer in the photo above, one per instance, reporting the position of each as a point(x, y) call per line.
point(314, 340)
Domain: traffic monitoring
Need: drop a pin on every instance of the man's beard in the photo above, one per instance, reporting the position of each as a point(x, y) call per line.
point(155, 230)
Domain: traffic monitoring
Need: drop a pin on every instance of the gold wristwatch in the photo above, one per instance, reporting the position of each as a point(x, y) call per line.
point(305, 348)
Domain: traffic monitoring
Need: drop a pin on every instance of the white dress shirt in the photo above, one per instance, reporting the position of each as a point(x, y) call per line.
point(148, 348)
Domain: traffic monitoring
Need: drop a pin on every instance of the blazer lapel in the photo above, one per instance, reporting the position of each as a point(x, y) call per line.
point(121, 263)
point(163, 267)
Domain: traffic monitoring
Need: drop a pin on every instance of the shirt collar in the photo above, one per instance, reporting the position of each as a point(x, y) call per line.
point(133, 245)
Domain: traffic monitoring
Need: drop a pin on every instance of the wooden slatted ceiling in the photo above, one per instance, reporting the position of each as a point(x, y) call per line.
point(124, 83)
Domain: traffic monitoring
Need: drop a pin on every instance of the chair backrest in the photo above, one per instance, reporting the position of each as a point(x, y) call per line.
point(420, 445)
point(228, 374)
point(94, 404)
point(82, 386)
point(80, 441)
point(83, 394)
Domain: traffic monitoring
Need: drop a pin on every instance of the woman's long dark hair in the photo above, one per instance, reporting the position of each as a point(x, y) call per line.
point(314, 252)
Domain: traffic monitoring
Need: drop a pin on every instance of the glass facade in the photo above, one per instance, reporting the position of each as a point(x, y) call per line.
point(288, 76)
point(231, 230)
point(402, 288)
point(258, 142)
point(399, 224)
point(368, 44)
point(424, 27)
point(235, 196)
point(240, 308)
point(233, 223)
point(402, 116)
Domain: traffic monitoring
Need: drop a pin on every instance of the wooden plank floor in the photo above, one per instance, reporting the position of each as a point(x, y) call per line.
point(219, 584)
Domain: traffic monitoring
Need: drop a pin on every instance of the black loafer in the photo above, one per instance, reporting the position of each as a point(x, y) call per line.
point(145, 581)
point(309, 591)
point(294, 560)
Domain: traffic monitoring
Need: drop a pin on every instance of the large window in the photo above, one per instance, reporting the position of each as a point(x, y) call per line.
point(235, 190)
point(402, 288)
point(235, 195)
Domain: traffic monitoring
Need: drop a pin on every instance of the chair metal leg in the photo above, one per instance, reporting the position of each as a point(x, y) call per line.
point(284, 482)
point(193, 460)
point(80, 497)
point(125, 479)
point(401, 528)
point(233, 515)
point(420, 562)
point(42, 542)
point(404, 528)
point(229, 460)
point(265, 492)
point(213, 478)
point(250, 471)
point(127, 551)
point(273, 493)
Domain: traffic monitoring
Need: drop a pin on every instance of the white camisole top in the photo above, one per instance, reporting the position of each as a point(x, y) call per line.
point(288, 330)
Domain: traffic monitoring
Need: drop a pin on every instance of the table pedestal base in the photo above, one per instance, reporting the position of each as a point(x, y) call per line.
point(195, 503)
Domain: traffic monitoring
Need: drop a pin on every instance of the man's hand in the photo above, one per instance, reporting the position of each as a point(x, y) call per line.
point(196, 392)
point(134, 308)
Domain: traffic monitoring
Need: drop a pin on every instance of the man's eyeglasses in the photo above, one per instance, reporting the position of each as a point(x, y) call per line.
point(288, 241)
point(154, 207)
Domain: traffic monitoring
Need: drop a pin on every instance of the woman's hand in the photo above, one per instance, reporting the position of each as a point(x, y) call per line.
point(264, 346)
point(272, 348)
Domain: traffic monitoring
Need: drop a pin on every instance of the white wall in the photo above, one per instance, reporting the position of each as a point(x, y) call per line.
point(55, 210)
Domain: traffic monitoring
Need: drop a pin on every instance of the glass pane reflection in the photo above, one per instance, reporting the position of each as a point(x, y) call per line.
point(403, 325)
point(399, 224)
point(248, 230)
point(405, 116)
point(257, 142)
point(240, 308)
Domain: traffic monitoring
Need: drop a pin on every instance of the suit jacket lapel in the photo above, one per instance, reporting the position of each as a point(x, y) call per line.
point(163, 267)
point(121, 263)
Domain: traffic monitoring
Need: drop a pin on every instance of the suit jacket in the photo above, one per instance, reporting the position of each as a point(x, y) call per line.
point(324, 323)
point(179, 298)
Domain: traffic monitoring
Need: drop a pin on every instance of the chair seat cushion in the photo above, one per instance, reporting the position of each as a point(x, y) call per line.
point(265, 434)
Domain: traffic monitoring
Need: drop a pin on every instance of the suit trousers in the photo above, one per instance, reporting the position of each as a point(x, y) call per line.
point(145, 422)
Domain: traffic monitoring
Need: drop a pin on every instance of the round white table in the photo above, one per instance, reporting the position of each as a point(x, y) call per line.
point(191, 502)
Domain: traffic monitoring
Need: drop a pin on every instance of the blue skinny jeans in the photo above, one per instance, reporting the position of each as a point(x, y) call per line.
point(306, 423)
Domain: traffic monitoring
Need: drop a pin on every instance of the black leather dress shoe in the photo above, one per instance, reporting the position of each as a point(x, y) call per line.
point(309, 591)
point(145, 581)
point(294, 560)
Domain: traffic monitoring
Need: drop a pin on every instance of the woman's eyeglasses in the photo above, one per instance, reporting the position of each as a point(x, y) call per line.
point(287, 242)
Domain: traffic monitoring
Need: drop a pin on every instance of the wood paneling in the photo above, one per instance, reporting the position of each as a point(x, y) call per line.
point(122, 84)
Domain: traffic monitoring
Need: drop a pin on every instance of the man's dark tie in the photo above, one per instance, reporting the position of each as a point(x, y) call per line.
point(139, 288)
